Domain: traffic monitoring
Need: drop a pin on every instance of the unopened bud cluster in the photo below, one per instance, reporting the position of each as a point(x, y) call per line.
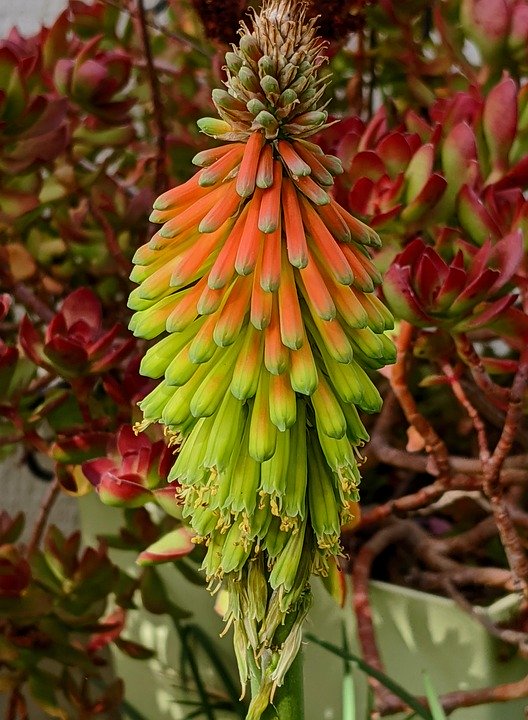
point(273, 82)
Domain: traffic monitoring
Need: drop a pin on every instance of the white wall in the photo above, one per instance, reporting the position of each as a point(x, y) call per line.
point(28, 15)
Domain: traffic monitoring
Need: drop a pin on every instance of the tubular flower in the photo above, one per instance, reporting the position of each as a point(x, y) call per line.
point(263, 287)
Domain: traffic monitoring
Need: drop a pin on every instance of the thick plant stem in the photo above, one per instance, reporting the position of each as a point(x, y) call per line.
point(288, 703)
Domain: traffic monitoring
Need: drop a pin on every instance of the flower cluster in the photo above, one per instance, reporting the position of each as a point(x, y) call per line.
point(263, 285)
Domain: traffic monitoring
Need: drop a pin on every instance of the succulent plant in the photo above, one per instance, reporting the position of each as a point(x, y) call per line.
point(129, 479)
point(48, 601)
point(468, 294)
point(75, 342)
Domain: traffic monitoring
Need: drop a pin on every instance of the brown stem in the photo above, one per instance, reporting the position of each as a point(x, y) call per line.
point(429, 551)
point(511, 541)
point(372, 83)
point(11, 710)
point(360, 578)
point(458, 392)
point(511, 472)
point(418, 462)
point(355, 90)
point(124, 265)
point(520, 517)
point(405, 504)
point(10, 439)
point(475, 537)
point(160, 180)
point(467, 698)
point(488, 411)
point(16, 708)
point(31, 302)
point(433, 443)
point(177, 37)
point(460, 575)
point(497, 394)
point(7, 327)
point(45, 508)
point(514, 637)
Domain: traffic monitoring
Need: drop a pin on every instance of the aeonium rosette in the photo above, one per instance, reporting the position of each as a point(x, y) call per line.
point(134, 473)
point(33, 127)
point(499, 30)
point(15, 371)
point(390, 176)
point(96, 79)
point(75, 342)
point(15, 573)
point(134, 467)
point(469, 293)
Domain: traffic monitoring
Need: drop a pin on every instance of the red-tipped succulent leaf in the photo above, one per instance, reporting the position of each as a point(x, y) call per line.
point(468, 293)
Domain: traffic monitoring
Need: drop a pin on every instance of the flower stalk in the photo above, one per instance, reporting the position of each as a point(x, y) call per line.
point(288, 701)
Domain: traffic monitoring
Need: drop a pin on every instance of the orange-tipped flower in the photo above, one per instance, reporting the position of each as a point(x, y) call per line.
point(260, 278)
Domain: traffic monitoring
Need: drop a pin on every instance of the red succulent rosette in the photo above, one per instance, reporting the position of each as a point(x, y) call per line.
point(460, 165)
point(96, 79)
point(75, 341)
point(132, 471)
point(33, 127)
point(469, 293)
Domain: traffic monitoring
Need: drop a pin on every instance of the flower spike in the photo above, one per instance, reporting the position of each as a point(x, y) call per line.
point(263, 284)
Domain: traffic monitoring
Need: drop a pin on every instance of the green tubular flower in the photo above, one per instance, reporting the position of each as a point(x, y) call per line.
point(263, 285)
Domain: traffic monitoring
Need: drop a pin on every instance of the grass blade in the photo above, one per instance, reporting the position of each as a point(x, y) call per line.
point(187, 656)
point(222, 672)
point(437, 711)
point(348, 687)
point(130, 712)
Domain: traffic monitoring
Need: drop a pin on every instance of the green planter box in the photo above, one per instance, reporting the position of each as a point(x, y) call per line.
point(416, 632)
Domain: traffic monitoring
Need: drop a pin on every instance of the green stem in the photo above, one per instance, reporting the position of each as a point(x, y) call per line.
point(288, 703)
